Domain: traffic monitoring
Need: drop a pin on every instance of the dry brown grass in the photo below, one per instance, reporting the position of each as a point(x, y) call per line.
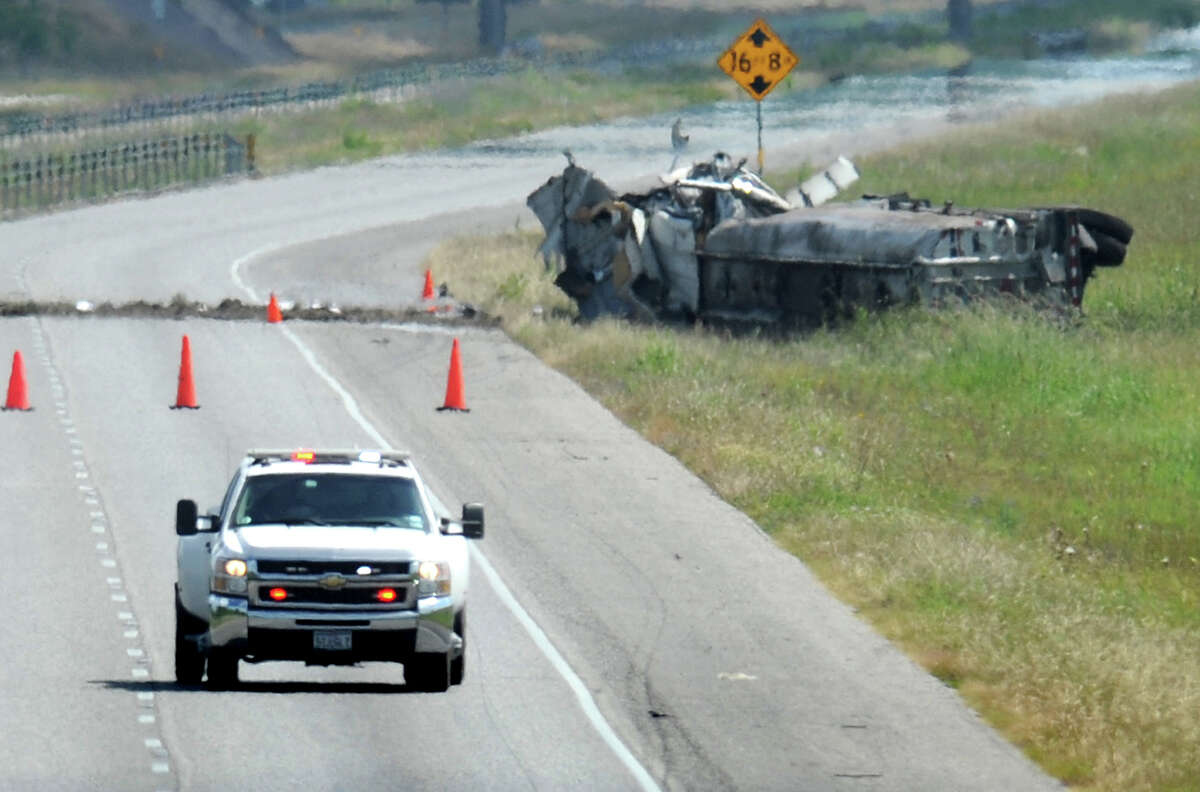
point(357, 45)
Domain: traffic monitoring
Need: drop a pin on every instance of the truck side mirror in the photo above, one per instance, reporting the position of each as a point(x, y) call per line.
point(472, 520)
point(185, 518)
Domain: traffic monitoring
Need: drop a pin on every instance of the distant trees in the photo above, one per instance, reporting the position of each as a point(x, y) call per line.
point(33, 31)
point(493, 19)
point(958, 13)
point(24, 28)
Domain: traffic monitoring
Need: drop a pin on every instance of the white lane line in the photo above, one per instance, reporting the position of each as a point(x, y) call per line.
point(235, 269)
point(588, 704)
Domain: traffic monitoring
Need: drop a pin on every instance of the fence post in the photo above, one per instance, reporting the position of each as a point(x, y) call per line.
point(40, 177)
point(251, 140)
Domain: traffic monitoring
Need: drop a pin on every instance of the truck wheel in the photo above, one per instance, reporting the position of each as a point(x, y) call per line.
point(458, 666)
point(429, 672)
point(222, 670)
point(189, 660)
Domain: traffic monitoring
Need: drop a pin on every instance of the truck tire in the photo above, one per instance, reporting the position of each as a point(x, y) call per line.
point(428, 672)
point(222, 670)
point(189, 660)
point(458, 666)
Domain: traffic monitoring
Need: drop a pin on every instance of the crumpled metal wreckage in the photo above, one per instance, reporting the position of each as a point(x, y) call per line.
point(715, 242)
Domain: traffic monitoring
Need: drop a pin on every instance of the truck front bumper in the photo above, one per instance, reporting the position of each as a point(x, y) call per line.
point(236, 627)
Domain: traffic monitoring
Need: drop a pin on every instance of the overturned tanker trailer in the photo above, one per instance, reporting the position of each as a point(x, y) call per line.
point(715, 242)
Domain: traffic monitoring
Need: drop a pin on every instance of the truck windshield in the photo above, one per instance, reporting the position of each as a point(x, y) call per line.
point(330, 499)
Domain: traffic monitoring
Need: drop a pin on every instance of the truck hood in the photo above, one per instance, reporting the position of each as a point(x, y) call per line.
point(309, 542)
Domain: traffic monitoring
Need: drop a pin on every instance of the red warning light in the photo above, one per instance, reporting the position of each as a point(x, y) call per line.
point(278, 594)
point(303, 456)
point(386, 595)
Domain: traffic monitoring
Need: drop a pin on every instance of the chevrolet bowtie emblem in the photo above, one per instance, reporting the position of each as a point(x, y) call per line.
point(334, 581)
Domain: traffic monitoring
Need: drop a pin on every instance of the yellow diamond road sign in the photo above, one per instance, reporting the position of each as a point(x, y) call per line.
point(758, 60)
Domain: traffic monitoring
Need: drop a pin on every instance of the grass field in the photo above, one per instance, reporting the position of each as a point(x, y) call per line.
point(1009, 500)
point(479, 109)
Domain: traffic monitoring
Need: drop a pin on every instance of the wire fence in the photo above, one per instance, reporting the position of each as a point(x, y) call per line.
point(386, 85)
point(45, 180)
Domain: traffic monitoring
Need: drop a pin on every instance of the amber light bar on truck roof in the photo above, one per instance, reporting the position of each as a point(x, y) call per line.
point(311, 456)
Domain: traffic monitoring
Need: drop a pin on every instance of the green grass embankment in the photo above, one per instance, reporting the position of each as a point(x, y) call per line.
point(1011, 501)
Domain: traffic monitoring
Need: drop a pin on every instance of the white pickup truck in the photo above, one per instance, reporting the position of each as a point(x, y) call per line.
point(324, 557)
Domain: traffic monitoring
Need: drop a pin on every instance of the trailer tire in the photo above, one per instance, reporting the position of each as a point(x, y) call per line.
point(1104, 223)
point(1109, 251)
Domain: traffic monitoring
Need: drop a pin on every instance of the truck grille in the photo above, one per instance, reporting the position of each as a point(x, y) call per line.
point(347, 568)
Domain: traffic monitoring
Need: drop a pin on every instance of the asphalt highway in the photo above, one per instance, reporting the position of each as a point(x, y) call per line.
point(628, 629)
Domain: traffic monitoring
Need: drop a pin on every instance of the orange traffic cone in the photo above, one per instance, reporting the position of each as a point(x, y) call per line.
point(18, 391)
point(427, 293)
point(454, 384)
point(273, 313)
point(185, 398)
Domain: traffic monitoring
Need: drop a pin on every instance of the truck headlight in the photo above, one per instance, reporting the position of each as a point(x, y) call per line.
point(433, 579)
point(229, 576)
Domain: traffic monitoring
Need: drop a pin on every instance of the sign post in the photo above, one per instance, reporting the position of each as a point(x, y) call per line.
point(757, 61)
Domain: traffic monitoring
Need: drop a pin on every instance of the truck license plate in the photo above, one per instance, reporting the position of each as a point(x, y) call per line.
point(332, 640)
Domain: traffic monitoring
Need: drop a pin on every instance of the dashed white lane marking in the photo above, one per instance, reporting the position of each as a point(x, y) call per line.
point(586, 702)
point(146, 716)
